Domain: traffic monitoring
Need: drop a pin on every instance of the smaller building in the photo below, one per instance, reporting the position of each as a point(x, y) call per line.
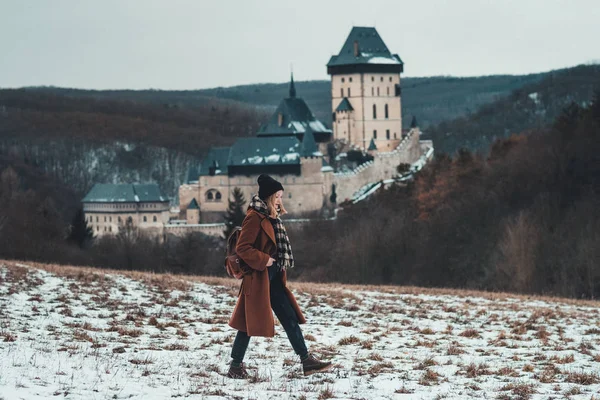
point(109, 207)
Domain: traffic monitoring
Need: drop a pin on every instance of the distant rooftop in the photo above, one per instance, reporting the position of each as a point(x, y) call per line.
point(364, 50)
point(294, 117)
point(125, 193)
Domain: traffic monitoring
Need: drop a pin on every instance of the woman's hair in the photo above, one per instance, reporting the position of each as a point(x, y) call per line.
point(271, 209)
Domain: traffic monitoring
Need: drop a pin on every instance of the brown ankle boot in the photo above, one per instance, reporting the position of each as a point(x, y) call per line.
point(237, 372)
point(313, 365)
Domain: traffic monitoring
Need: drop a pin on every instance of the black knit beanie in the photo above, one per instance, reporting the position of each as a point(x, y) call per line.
point(267, 186)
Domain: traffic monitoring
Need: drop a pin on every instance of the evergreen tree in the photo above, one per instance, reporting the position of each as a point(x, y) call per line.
point(81, 233)
point(235, 212)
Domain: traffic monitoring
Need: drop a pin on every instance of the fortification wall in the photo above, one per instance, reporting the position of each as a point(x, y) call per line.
point(382, 167)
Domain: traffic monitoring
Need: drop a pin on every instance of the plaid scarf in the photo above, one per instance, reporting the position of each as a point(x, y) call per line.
point(285, 258)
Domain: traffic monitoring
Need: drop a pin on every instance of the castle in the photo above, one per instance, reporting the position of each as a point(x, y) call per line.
point(295, 148)
point(292, 145)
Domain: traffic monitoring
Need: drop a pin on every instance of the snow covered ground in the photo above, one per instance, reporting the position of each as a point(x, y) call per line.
point(79, 333)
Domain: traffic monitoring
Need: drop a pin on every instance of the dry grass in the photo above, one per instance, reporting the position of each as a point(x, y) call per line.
point(523, 391)
point(170, 282)
point(582, 378)
point(470, 333)
point(429, 378)
point(348, 340)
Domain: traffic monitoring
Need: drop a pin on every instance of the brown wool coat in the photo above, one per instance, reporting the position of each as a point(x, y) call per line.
point(252, 313)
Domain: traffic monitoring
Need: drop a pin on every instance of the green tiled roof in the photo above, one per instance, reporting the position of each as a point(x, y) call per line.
point(296, 118)
point(344, 105)
point(216, 158)
point(309, 146)
point(193, 173)
point(124, 193)
point(372, 145)
point(277, 150)
point(371, 51)
point(193, 205)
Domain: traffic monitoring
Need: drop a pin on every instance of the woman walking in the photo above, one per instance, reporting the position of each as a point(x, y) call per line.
point(264, 245)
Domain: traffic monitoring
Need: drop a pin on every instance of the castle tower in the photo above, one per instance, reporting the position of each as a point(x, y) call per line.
point(365, 91)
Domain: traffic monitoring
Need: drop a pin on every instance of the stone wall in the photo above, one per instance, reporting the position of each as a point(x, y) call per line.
point(304, 193)
point(382, 167)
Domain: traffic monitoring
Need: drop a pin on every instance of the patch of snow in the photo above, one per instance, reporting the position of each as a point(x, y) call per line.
point(255, 160)
point(317, 126)
point(298, 126)
point(383, 60)
point(273, 158)
point(290, 157)
point(408, 333)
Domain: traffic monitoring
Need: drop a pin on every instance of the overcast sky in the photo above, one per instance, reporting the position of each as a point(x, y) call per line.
point(192, 44)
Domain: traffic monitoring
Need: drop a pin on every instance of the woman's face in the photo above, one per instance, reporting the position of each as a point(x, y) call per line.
point(278, 197)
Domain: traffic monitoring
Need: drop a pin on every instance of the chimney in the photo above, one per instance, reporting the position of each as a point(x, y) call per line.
point(356, 48)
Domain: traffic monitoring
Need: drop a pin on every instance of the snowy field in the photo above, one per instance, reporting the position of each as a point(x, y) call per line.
point(79, 333)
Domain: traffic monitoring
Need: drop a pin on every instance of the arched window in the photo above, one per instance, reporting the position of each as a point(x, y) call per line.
point(386, 112)
point(209, 195)
point(374, 111)
point(129, 220)
point(154, 219)
point(218, 196)
point(145, 219)
point(387, 133)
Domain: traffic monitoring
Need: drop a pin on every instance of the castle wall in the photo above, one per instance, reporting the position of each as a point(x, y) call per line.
point(305, 193)
point(382, 167)
point(109, 218)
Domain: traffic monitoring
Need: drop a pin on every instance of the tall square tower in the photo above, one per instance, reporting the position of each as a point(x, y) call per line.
point(366, 96)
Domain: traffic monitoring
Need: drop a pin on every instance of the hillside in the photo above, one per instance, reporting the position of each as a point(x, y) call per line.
point(82, 141)
point(431, 99)
point(82, 333)
point(533, 106)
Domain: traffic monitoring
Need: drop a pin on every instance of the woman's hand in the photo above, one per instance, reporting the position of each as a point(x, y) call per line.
point(270, 262)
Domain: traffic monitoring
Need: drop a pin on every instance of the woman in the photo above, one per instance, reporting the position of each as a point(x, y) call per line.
point(264, 245)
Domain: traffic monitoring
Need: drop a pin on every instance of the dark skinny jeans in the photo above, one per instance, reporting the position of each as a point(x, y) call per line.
point(284, 311)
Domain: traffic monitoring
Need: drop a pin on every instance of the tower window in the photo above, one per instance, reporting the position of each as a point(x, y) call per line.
point(375, 134)
point(381, 79)
point(372, 91)
point(390, 78)
point(372, 79)
point(349, 95)
point(145, 219)
point(387, 133)
point(342, 91)
point(343, 80)
point(154, 218)
point(374, 111)
point(388, 90)
point(386, 112)
point(350, 79)
point(378, 91)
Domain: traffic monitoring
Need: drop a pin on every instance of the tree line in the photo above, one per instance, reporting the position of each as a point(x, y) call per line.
point(524, 218)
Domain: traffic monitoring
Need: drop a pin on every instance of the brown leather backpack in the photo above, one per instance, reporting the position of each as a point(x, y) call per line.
point(234, 265)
